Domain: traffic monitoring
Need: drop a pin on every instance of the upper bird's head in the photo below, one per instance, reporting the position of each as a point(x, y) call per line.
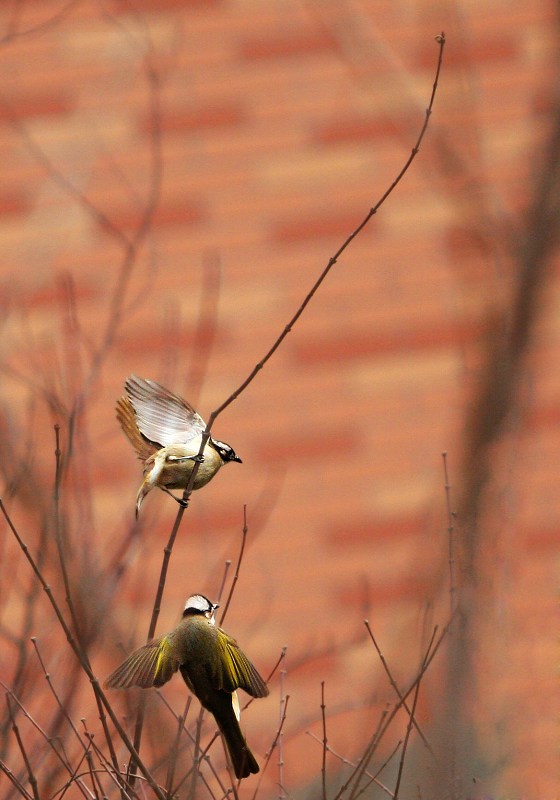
point(198, 604)
point(225, 451)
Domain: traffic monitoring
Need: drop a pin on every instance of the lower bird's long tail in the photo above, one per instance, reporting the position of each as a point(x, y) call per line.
point(243, 761)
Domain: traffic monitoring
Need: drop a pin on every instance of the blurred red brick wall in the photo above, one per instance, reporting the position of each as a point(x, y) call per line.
point(281, 124)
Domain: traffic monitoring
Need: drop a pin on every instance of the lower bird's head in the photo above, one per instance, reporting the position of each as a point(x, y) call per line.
point(198, 604)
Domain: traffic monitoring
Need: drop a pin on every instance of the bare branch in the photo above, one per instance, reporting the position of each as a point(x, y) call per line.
point(433, 647)
point(175, 748)
point(30, 774)
point(394, 684)
point(409, 726)
point(227, 565)
point(273, 746)
point(333, 260)
point(325, 743)
point(237, 566)
point(15, 781)
point(60, 704)
point(84, 662)
point(343, 760)
point(450, 539)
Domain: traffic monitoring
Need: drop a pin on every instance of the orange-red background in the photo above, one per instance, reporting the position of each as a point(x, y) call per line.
point(282, 123)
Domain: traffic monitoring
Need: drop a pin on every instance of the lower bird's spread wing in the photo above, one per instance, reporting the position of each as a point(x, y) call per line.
point(161, 416)
point(234, 670)
point(151, 665)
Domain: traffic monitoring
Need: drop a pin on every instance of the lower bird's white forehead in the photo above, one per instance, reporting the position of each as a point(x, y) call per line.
point(199, 603)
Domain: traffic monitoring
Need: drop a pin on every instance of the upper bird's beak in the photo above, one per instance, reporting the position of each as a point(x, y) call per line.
point(237, 459)
point(149, 481)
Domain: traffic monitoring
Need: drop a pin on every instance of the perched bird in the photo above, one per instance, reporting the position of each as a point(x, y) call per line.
point(166, 433)
point(212, 666)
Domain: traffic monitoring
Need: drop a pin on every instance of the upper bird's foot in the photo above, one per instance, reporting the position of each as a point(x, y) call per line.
point(179, 459)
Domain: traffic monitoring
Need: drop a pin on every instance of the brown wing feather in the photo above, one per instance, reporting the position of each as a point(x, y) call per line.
point(162, 416)
point(127, 418)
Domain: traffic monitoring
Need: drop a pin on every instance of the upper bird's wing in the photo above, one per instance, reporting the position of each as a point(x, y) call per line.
point(162, 416)
point(234, 670)
point(151, 665)
point(127, 418)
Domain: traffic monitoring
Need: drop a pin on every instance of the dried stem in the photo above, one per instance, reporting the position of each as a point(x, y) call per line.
point(450, 539)
point(325, 743)
point(60, 704)
point(196, 755)
point(15, 781)
point(333, 260)
point(30, 774)
point(237, 566)
point(259, 366)
point(48, 739)
point(431, 650)
point(139, 725)
point(375, 778)
point(394, 684)
point(282, 711)
point(343, 760)
point(175, 749)
point(342, 791)
point(406, 740)
point(268, 756)
point(79, 644)
point(227, 566)
point(100, 696)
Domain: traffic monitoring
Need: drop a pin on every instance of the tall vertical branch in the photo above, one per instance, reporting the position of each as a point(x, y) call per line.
point(259, 366)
